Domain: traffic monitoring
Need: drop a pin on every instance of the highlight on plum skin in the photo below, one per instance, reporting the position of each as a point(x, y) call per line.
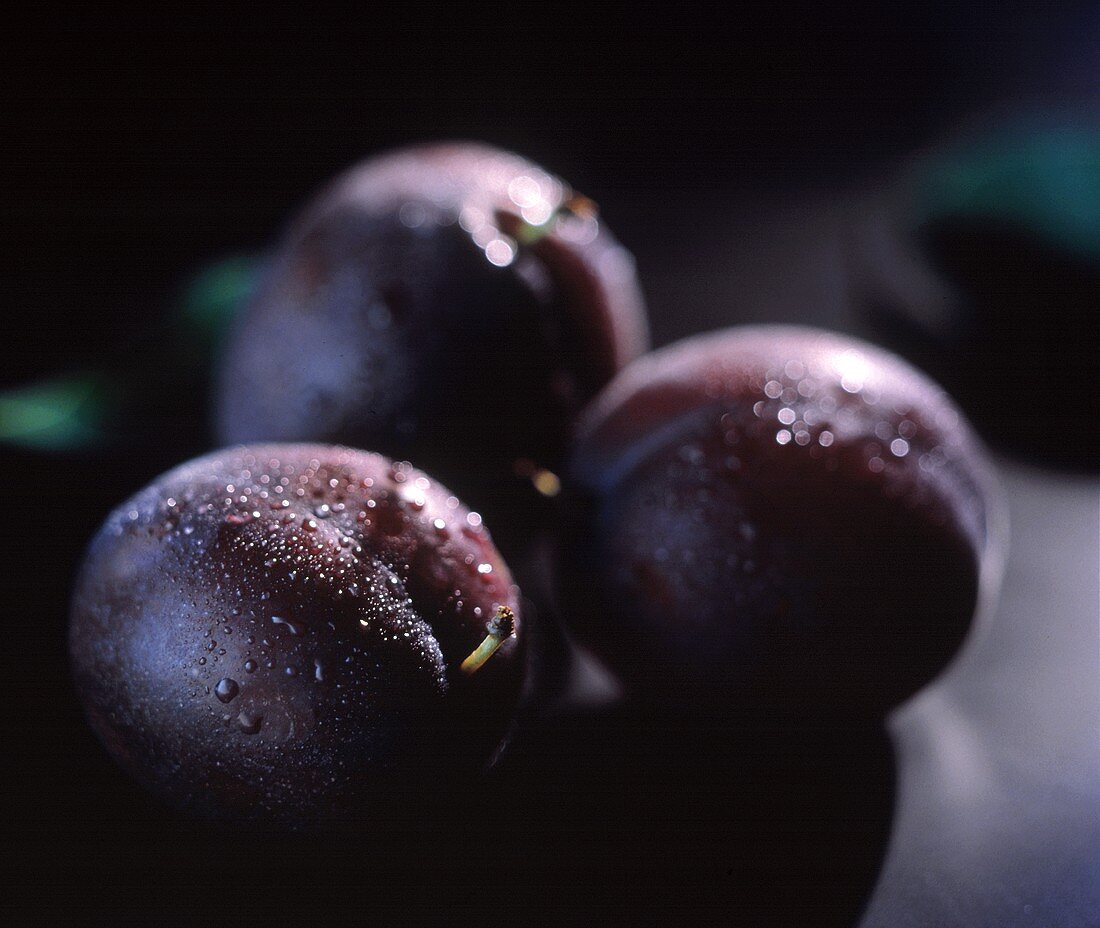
point(450, 303)
point(780, 510)
point(276, 632)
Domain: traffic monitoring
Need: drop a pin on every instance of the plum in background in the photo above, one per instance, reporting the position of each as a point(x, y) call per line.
point(278, 632)
point(449, 303)
point(778, 510)
point(981, 263)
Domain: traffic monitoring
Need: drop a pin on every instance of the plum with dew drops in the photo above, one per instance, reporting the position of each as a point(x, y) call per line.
point(279, 632)
point(780, 510)
point(450, 303)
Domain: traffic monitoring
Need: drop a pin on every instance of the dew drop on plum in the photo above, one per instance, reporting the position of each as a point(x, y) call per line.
point(226, 689)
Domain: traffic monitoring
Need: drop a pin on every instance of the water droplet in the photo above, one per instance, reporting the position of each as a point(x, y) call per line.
point(250, 666)
point(250, 722)
point(524, 191)
point(500, 252)
point(691, 454)
point(226, 689)
point(279, 620)
point(412, 214)
point(318, 672)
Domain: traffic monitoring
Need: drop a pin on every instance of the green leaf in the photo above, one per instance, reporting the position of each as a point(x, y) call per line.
point(216, 294)
point(1044, 180)
point(62, 414)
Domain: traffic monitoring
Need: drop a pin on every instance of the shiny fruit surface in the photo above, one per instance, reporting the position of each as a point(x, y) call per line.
point(277, 631)
point(450, 303)
point(778, 508)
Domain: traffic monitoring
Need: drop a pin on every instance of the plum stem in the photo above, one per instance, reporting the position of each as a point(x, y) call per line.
point(500, 628)
point(527, 233)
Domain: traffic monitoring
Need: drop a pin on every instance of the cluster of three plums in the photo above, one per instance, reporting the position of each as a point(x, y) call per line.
point(276, 628)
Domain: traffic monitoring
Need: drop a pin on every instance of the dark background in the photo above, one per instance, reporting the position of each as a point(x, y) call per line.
point(724, 157)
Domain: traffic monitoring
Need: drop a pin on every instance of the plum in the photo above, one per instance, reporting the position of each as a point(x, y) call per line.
point(279, 632)
point(981, 263)
point(779, 510)
point(449, 303)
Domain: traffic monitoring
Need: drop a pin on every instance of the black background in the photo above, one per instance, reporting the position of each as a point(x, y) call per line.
point(136, 150)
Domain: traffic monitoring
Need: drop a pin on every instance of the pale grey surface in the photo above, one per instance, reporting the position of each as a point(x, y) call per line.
point(998, 812)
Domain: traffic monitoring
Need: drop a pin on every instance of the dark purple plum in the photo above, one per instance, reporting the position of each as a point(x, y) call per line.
point(782, 510)
point(279, 632)
point(449, 303)
point(981, 263)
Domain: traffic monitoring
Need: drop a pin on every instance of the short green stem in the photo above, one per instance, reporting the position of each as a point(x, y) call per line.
point(500, 628)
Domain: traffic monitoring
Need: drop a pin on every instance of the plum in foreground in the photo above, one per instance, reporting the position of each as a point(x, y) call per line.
point(279, 632)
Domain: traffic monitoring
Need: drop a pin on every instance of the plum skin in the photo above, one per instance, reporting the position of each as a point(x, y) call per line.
point(275, 632)
point(449, 303)
point(782, 510)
